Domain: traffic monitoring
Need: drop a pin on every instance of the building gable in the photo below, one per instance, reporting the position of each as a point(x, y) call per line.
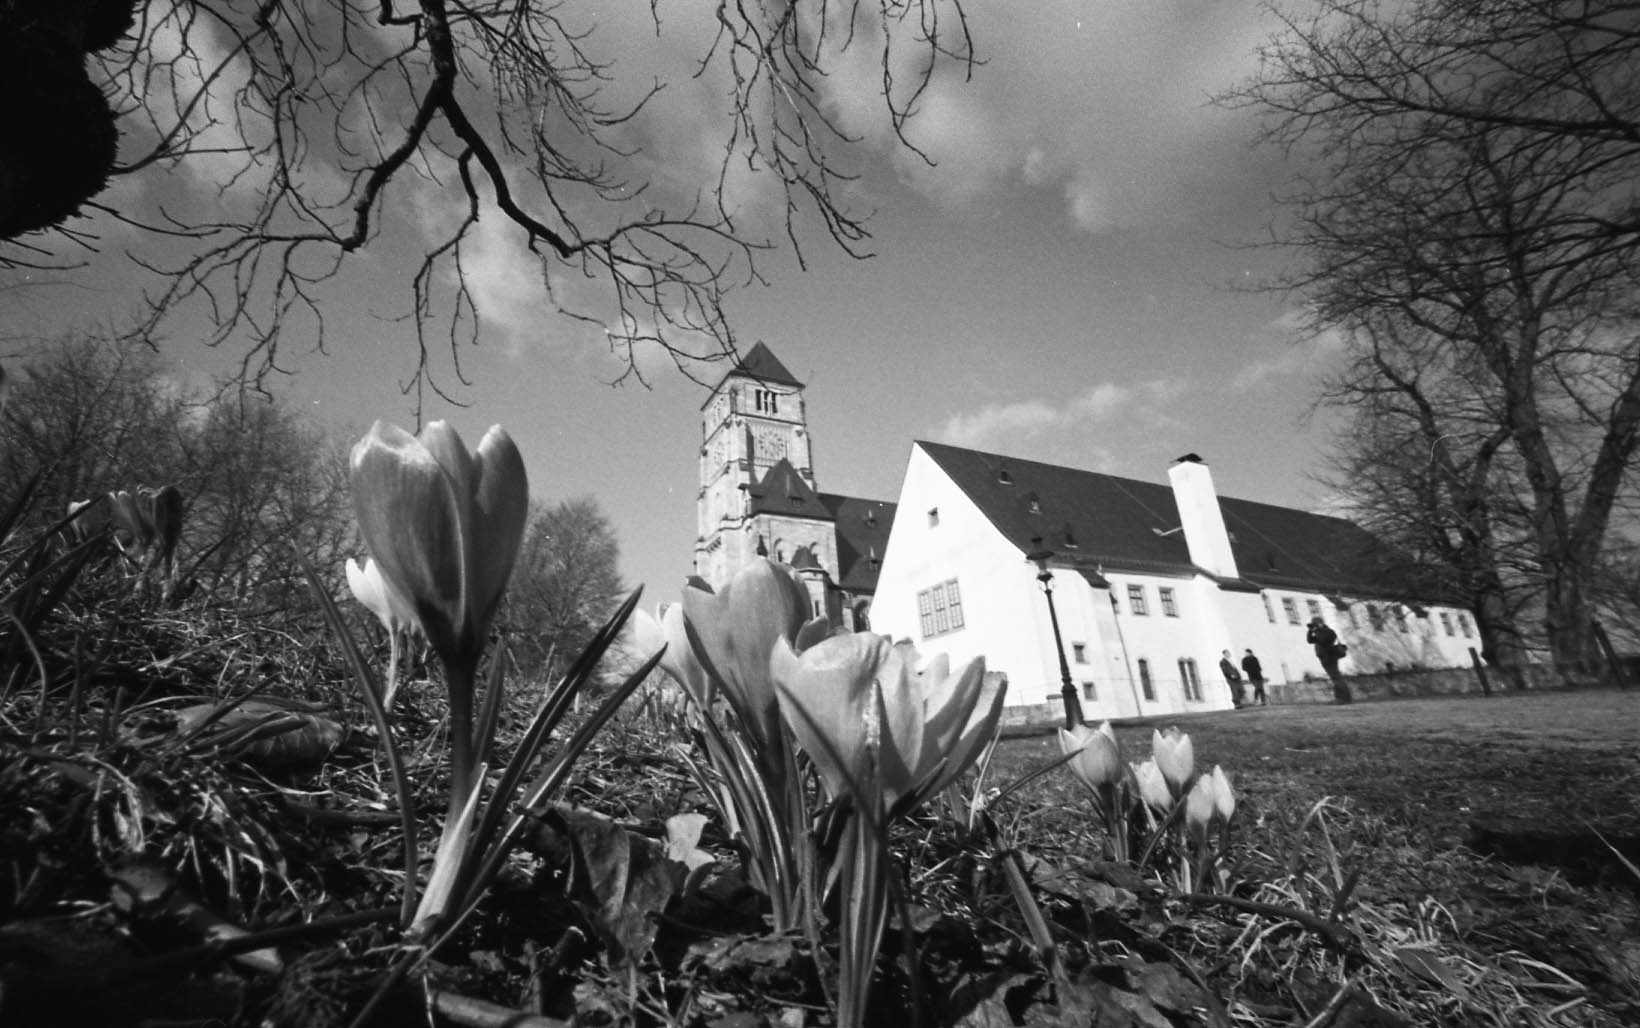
point(863, 528)
point(784, 492)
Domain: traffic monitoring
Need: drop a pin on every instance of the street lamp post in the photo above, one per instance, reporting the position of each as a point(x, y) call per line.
point(1073, 705)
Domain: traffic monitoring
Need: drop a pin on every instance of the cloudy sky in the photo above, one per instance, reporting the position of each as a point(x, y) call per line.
point(1068, 281)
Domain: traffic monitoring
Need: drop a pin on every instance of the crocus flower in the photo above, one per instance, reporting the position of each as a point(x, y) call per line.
point(1199, 805)
point(444, 523)
point(371, 589)
point(1224, 797)
point(1175, 757)
point(392, 610)
point(650, 633)
point(734, 631)
point(1152, 786)
point(856, 702)
point(133, 528)
point(958, 721)
point(1098, 760)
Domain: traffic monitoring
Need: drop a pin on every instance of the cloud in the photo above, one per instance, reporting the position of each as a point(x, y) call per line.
point(982, 428)
point(1303, 353)
point(1105, 104)
point(996, 425)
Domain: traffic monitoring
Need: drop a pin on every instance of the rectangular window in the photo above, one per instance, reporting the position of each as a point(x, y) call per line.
point(1446, 622)
point(1079, 652)
point(1136, 601)
point(1400, 617)
point(1289, 606)
point(1463, 623)
point(1145, 685)
point(1269, 608)
point(1375, 615)
point(933, 517)
point(1191, 678)
point(1170, 607)
point(1314, 608)
point(1089, 692)
point(939, 609)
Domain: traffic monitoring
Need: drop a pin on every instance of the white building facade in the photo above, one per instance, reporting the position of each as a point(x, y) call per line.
point(1150, 584)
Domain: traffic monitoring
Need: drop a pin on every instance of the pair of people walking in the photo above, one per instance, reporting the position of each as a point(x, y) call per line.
point(1255, 676)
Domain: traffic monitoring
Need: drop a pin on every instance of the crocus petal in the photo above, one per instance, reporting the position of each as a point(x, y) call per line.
point(1224, 797)
point(826, 696)
point(1152, 786)
point(501, 501)
point(1198, 806)
point(1098, 760)
point(368, 589)
point(1175, 757)
point(650, 633)
point(414, 524)
point(948, 701)
point(735, 631)
point(901, 732)
point(981, 728)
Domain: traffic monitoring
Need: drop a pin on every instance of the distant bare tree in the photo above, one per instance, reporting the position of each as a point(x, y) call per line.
point(312, 118)
point(564, 586)
point(88, 416)
point(1423, 463)
point(1470, 208)
point(91, 416)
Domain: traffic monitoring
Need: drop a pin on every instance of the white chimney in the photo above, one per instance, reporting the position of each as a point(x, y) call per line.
point(1199, 515)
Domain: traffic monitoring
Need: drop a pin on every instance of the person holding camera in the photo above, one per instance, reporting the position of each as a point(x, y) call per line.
point(1329, 651)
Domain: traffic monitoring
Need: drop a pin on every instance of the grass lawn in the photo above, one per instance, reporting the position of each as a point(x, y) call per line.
point(1468, 820)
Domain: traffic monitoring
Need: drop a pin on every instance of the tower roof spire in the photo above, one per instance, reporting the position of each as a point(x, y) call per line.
point(760, 363)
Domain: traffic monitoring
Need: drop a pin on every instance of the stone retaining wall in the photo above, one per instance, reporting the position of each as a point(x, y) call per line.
point(1395, 684)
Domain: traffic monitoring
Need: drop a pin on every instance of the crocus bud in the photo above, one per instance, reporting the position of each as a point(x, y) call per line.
point(445, 525)
point(667, 629)
point(133, 530)
point(1152, 786)
point(1224, 797)
point(1098, 759)
point(1175, 757)
point(1199, 804)
point(734, 631)
point(164, 512)
point(371, 589)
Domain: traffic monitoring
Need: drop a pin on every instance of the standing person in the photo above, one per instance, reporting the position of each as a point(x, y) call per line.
point(1255, 675)
point(1232, 678)
point(1329, 651)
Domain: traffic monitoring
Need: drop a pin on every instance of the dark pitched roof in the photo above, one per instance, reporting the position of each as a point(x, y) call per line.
point(783, 491)
point(761, 364)
point(1096, 522)
point(862, 539)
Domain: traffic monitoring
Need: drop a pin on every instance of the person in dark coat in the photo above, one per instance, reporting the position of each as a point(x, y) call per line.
point(1255, 677)
point(1326, 645)
point(1232, 678)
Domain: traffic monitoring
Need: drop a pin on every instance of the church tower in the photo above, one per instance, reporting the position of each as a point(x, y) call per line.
point(757, 495)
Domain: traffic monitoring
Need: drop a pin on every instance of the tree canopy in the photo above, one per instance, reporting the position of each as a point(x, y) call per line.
point(1468, 221)
point(267, 146)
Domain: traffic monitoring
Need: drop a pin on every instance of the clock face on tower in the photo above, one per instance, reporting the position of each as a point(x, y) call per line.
point(769, 445)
